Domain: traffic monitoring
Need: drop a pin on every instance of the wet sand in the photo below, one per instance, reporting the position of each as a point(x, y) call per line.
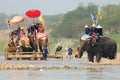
point(12, 66)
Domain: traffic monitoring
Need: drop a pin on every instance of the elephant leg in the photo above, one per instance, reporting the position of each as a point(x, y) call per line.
point(40, 46)
point(33, 44)
point(90, 57)
point(98, 57)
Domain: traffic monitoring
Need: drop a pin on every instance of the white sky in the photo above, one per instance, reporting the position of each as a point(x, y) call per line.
point(47, 7)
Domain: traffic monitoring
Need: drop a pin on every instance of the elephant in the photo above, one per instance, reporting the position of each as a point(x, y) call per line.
point(38, 43)
point(103, 47)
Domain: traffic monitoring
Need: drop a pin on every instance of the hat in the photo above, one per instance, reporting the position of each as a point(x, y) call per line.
point(99, 26)
point(86, 26)
point(93, 25)
point(22, 27)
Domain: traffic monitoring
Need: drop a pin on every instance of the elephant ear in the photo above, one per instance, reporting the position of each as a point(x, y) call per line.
point(88, 40)
point(91, 41)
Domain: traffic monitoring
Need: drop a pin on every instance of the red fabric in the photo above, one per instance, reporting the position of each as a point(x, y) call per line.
point(94, 35)
point(41, 30)
point(33, 13)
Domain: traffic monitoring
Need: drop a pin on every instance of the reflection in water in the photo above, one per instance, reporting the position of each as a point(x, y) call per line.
point(61, 74)
point(94, 75)
point(25, 75)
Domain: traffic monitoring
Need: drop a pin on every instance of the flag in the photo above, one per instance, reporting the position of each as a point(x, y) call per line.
point(42, 20)
point(99, 15)
point(93, 17)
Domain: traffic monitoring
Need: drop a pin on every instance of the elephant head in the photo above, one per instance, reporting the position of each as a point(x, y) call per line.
point(84, 46)
point(43, 42)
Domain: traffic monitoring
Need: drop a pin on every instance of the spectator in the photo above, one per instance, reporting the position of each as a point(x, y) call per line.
point(44, 52)
point(70, 50)
point(58, 49)
point(67, 47)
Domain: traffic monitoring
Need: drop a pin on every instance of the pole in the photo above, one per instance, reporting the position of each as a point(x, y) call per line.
point(7, 22)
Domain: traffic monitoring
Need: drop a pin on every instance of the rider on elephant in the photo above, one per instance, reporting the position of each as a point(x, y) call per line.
point(15, 36)
point(23, 36)
point(40, 31)
point(99, 31)
point(93, 32)
point(32, 29)
point(87, 30)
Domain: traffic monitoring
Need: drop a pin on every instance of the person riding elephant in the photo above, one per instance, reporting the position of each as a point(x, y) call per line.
point(99, 31)
point(23, 36)
point(32, 36)
point(93, 32)
point(106, 48)
point(87, 30)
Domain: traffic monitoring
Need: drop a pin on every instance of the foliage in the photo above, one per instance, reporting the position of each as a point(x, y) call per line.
point(66, 29)
point(74, 21)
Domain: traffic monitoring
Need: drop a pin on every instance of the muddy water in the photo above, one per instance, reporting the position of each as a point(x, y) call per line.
point(109, 72)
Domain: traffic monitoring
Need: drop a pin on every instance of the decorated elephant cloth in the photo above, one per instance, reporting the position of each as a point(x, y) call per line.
point(41, 35)
point(24, 37)
point(85, 36)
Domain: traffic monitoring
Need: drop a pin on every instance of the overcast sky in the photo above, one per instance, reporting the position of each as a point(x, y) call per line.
point(47, 7)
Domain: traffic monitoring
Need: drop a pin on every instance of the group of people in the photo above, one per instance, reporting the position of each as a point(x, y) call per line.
point(94, 31)
point(37, 28)
point(68, 49)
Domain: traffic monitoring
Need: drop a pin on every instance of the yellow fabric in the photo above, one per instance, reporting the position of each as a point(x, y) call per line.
point(27, 42)
point(99, 15)
point(41, 20)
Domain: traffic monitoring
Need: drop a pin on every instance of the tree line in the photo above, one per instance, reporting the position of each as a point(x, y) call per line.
point(71, 24)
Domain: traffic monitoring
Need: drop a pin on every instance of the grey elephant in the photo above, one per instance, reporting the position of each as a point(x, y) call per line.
point(104, 47)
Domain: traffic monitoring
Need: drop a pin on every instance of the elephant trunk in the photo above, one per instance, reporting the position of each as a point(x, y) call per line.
point(81, 52)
